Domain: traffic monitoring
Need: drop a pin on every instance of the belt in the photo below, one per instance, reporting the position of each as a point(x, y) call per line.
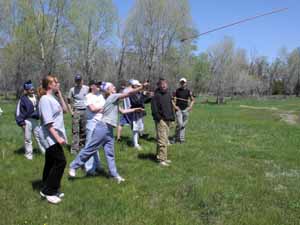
point(80, 109)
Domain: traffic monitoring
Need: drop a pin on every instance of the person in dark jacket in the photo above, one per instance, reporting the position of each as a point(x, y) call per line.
point(27, 117)
point(138, 100)
point(163, 114)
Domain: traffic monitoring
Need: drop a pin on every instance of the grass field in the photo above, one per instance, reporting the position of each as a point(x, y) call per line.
point(240, 165)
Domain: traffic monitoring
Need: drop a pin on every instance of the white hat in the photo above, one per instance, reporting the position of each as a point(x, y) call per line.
point(135, 82)
point(182, 80)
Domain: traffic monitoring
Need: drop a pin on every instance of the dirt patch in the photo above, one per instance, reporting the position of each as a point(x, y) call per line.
point(289, 118)
point(286, 116)
point(254, 107)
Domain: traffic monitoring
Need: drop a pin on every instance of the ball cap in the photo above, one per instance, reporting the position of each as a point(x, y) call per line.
point(183, 80)
point(135, 82)
point(78, 77)
point(95, 82)
point(28, 85)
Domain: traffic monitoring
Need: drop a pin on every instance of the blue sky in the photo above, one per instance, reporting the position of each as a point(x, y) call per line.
point(264, 36)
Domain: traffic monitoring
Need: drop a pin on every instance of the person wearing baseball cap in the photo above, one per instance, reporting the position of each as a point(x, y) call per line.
point(27, 117)
point(183, 100)
point(125, 119)
point(103, 132)
point(94, 101)
point(77, 107)
point(138, 100)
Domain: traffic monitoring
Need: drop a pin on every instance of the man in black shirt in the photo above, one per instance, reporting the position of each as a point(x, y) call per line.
point(163, 115)
point(182, 107)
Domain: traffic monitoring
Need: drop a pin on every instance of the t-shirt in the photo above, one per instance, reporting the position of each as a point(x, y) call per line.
point(126, 101)
point(33, 100)
point(98, 101)
point(111, 110)
point(77, 95)
point(182, 93)
point(51, 112)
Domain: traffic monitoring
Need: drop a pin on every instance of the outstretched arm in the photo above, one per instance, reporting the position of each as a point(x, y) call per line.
point(125, 111)
point(133, 91)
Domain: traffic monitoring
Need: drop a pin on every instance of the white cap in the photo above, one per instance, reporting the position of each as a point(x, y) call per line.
point(182, 80)
point(135, 82)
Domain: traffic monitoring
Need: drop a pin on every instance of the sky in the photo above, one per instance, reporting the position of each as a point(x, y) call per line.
point(262, 37)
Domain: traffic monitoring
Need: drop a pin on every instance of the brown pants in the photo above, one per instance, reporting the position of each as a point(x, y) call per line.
point(162, 131)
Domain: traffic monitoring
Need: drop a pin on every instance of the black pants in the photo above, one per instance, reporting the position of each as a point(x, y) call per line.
point(55, 163)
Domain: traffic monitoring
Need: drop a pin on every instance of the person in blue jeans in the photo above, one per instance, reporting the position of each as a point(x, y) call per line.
point(94, 102)
point(103, 132)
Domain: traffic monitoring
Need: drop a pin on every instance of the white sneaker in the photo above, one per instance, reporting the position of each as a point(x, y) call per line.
point(42, 194)
point(54, 199)
point(119, 179)
point(138, 147)
point(28, 156)
point(60, 194)
point(72, 172)
point(163, 163)
point(168, 161)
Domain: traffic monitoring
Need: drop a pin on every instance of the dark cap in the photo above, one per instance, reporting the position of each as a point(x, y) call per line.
point(78, 77)
point(95, 82)
point(28, 85)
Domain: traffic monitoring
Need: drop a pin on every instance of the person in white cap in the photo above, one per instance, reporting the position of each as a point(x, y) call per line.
point(183, 101)
point(138, 100)
point(103, 132)
point(125, 119)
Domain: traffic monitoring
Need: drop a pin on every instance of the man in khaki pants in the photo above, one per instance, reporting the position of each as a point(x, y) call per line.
point(163, 115)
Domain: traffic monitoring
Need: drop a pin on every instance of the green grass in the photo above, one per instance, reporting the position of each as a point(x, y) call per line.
point(238, 166)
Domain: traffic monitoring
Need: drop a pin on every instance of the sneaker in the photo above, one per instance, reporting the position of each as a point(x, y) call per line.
point(42, 194)
point(72, 172)
point(60, 194)
point(119, 179)
point(29, 157)
point(54, 199)
point(164, 163)
point(168, 161)
point(138, 147)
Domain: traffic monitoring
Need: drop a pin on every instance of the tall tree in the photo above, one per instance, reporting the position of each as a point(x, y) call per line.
point(153, 32)
point(91, 24)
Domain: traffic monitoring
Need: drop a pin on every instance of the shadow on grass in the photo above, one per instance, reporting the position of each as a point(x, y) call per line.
point(124, 140)
point(150, 139)
point(98, 174)
point(147, 156)
point(128, 141)
point(21, 151)
point(37, 185)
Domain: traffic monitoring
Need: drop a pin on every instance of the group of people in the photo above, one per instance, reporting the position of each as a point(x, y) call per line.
point(95, 109)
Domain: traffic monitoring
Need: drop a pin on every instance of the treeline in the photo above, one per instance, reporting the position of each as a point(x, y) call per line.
point(225, 70)
point(65, 37)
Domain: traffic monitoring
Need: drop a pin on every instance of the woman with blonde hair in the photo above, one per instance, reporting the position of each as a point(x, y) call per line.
point(51, 107)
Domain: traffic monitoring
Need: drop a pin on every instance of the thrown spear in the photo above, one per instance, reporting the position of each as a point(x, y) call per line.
point(234, 23)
